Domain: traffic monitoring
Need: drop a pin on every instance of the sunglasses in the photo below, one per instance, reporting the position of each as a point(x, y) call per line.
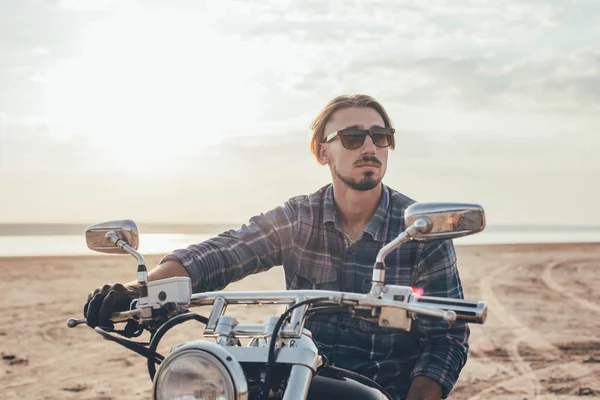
point(353, 138)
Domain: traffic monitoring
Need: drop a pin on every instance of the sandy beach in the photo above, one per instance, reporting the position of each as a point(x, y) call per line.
point(541, 339)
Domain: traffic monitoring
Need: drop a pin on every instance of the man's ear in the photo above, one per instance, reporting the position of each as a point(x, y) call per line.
point(323, 153)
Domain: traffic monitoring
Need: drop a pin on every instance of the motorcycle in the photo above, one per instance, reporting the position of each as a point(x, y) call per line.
point(281, 360)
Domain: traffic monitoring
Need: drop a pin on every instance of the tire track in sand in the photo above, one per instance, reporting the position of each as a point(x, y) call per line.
point(573, 369)
point(518, 328)
point(531, 338)
point(555, 286)
point(521, 334)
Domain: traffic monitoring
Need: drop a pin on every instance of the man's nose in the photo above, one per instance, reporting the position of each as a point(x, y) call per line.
point(368, 146)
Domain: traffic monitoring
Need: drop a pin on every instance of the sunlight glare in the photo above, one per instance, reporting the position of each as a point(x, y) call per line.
point(169, 85)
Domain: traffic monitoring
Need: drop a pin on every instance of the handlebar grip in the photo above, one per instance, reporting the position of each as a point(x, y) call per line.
point(115, 317)
point(466, 310)
point(72, 322)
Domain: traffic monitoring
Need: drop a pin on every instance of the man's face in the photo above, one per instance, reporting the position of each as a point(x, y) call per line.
point(362, 168)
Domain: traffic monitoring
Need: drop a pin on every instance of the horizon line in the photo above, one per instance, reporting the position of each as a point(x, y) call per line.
point(47, 228)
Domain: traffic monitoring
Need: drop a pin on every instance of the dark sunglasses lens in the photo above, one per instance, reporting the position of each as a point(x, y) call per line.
point(381, 137)
point(352, 138)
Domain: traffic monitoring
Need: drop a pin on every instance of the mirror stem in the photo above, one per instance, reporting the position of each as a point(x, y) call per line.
point(422, 225)
point(142, 272)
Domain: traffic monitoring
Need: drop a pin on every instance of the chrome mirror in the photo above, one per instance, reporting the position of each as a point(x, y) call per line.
point(429, 221)
point(444, 220)
point(126, 230)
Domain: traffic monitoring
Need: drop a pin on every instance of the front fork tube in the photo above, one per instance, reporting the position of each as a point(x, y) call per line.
point(298, 383)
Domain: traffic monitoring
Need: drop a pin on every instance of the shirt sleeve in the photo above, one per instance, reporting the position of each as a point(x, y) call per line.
point(444, 344)
point(235, 254)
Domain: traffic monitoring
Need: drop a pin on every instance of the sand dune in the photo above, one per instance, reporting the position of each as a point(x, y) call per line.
point(541, 340)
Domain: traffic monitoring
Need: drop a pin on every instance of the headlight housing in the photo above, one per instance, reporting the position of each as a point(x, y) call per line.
point(200, 370)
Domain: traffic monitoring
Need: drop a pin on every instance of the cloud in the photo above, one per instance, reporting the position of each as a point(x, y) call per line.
point(491, 99)
point(29, 147)
point(95, 5)
point(29, 24)
point(508, 174)
point(40, 51)
point(435, 53)
point(568, 83)
point(33, 36)
point(432, 23)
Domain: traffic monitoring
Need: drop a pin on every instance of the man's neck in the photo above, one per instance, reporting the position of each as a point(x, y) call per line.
point(355, 208)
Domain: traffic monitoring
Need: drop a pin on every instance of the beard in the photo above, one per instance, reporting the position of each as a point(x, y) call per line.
point(367, 182)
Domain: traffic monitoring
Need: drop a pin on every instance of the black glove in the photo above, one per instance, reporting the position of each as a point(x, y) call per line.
point(106, 300)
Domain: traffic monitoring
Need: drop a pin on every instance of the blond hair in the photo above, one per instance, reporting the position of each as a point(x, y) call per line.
point(339, 103)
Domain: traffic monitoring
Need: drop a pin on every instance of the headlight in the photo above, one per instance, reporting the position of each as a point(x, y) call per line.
point(200, 371)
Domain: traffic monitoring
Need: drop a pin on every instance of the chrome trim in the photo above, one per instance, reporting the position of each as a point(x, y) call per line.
point(378, 278)
point(270, 325)
point(220, 301)
point(123, 316)
point(387, 303)
point(447, 220)
point(142, 276)
point(298, 383)
point(402, 238)
point(305, 354)
point(391, 317)
point(354, 300)
point(297, 319)
point(433, 306)
point(257, 330)
point(255, 297)
point(221, 354)
point(430, 221)
point(116, 239)
point(224, 328)
point(378, 275)
point(219, 305)
point(438, 207)
point(97, 240)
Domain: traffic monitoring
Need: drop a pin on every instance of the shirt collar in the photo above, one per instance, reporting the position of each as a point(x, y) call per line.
point(378, 225)
point(329, 210)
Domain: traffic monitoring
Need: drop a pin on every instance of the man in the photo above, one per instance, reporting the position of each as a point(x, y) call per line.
point(328, 240)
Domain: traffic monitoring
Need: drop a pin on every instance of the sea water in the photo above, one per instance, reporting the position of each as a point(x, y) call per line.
point(156, 243)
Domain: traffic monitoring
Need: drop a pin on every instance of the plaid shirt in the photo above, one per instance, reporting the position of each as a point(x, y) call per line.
point(304, 235)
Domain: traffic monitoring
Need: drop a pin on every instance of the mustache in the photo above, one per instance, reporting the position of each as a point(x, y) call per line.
point(367, 159)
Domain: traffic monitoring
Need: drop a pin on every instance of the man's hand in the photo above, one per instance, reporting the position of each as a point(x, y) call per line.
point(424, 388)
point(104, 301)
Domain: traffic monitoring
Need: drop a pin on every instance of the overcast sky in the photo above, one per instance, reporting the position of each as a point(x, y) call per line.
point(188, 111)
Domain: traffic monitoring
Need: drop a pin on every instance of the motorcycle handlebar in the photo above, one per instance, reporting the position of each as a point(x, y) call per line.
point(466, 310)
